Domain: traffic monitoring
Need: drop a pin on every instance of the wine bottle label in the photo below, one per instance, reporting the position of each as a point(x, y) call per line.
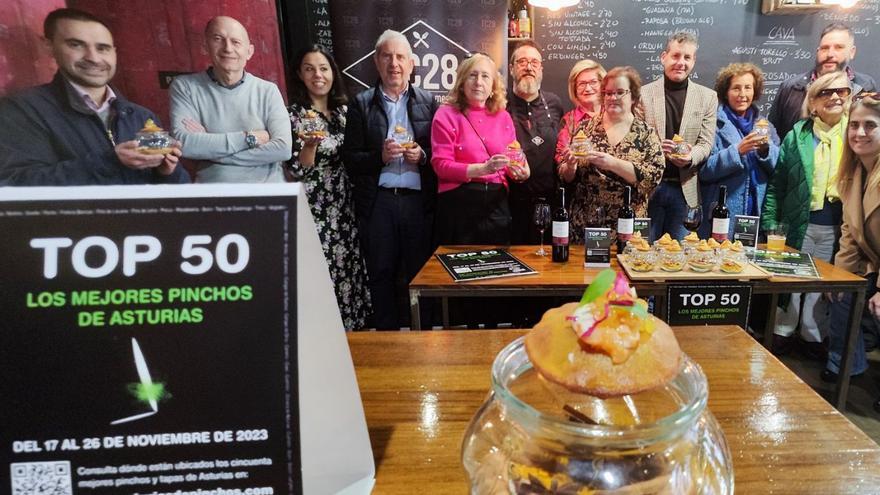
point(720, 227)
point(625, 227)
point(560, 233)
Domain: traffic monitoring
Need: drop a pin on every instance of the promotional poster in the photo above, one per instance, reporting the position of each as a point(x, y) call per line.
point(147, 346)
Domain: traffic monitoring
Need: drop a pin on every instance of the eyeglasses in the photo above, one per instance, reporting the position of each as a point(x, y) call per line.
point(828, 92)
point(866, 94)
point(522, 63)
point(587, 84)
point(617, 93)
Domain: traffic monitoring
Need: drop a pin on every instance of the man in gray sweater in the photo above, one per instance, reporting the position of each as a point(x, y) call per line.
point(233, 122)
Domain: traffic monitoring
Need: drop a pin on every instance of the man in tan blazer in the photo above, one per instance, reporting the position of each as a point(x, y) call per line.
point(675, 105)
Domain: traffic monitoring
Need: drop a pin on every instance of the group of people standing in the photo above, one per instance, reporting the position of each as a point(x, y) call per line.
point(812, 170)
point(395, 172)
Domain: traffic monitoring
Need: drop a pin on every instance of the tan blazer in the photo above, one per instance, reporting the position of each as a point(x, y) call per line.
point(697, 127)
point(860, 233)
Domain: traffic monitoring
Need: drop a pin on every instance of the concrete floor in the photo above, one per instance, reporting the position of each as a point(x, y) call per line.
point(863, 390)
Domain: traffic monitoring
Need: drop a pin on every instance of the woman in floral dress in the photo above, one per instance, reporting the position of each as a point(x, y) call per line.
point(626, 152)
point(317, 115)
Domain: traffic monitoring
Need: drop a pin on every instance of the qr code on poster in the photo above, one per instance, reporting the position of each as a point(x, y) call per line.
point(41, 478)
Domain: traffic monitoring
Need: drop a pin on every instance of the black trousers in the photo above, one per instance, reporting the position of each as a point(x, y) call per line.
point(473, 213)
point(397, 242)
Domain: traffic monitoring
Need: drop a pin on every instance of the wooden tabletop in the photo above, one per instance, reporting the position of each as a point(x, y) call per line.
point(571, 278)
point(420, 390)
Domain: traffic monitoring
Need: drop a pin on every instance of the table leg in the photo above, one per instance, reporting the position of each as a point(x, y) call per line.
point(414, 311)
point(852, 333)
point(771, 321)
point(444, 303)
point(660, 307)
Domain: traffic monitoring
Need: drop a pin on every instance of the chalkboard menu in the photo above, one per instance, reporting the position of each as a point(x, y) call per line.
point(634, 32)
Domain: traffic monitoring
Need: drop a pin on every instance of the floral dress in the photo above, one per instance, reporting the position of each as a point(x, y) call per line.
point(594, 188)
point(329, 192)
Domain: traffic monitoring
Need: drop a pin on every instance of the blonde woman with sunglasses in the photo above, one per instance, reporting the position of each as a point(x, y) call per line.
point(859, 185)
point(803, 195)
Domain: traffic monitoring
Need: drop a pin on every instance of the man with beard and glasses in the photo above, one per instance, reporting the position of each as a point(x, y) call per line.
point(835, 52)
point(77, 130)
point(536, 115)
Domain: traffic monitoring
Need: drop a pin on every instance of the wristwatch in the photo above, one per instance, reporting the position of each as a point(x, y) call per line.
point(250, 139)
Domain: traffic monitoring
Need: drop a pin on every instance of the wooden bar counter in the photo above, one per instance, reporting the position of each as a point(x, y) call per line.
point(421, 389)
point(571, 278)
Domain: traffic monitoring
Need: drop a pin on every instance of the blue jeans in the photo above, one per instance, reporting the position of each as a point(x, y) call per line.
point(837, 332)
point(667, 209)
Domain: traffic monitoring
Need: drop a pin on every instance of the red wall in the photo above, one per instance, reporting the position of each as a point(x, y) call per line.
point(24, 60)
point(150, 35)
point(166, 35)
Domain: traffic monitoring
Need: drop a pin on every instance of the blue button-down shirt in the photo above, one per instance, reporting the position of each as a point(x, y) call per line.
point(397, 172)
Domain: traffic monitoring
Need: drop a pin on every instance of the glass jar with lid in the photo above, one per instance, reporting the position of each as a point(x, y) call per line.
point(531, 436)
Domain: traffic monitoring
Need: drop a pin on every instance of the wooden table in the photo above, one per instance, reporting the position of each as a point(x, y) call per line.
point(571, 278)
point(421, 389)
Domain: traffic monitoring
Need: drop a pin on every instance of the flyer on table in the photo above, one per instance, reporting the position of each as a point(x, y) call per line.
point(146, 346)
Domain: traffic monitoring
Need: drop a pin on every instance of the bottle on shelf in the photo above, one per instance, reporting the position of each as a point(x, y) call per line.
point(560, 230)
point(721, 216)
point(626, 218)
point(525, 25)
point(513, 26)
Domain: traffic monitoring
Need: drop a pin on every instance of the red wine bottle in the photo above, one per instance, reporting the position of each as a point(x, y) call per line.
point(560, 230)
point(626, 218)
point(721, 216)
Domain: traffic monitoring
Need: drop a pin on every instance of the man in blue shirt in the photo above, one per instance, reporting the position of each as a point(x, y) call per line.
point(387, 152)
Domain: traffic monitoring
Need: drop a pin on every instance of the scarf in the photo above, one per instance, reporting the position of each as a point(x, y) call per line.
point(826, 161)
point(744, 125)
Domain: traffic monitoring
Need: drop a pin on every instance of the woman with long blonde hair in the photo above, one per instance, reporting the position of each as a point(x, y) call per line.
point(858, 181)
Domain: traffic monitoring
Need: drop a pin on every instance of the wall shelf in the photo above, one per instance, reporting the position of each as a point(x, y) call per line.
point(777, 7)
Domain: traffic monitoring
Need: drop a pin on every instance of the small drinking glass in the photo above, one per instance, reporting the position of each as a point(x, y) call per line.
point(516, 157)
point(762, 128)
point(580, 146)
point(776, 236)
point(401, 136)
point(312, 126)
point(541, 219)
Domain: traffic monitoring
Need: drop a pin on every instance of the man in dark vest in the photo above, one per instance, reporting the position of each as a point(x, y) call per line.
point(395, 187)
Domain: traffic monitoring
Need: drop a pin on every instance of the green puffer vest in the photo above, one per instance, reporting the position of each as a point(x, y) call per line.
point(788, 192)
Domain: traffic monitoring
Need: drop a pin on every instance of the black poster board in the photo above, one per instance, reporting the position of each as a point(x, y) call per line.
point(634, 32)
point(714, 304)
point(149, 345)
point(485, 264)
point(786, 263)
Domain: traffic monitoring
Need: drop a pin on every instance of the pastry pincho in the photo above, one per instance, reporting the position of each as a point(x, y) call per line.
point(607, 345)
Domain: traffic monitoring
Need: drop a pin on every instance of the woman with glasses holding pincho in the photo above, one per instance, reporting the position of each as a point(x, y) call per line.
point(623, 152)
point(585, 92)
point(803, 195)
point(859, 185)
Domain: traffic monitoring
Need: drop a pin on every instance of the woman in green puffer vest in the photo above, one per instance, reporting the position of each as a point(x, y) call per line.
point(803, 195)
